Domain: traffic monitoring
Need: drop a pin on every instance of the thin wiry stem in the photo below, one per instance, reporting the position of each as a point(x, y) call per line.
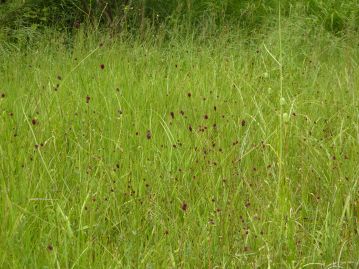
point(281, 135)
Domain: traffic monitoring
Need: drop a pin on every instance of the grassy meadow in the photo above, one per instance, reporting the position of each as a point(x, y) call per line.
point(172, 150)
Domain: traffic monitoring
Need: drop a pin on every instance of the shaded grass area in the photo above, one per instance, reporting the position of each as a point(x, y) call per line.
point(148, 154)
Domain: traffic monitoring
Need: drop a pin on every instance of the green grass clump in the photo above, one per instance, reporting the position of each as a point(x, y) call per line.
point(185, 152)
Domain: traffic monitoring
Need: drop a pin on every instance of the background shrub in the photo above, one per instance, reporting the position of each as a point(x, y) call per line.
point(30, 15)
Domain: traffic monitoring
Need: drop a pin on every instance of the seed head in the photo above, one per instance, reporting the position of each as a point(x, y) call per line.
point(285, 117)
point(184, 206)
point(148, 134)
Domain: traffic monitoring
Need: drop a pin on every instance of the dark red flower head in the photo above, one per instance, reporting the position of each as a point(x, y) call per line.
point(77, 24)
point(148, 134)
point(184, 206)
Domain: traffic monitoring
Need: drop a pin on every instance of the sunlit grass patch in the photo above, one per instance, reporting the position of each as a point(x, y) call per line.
point(129, 153)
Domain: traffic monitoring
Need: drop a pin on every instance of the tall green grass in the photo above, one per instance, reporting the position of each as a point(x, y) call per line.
point(163, 150)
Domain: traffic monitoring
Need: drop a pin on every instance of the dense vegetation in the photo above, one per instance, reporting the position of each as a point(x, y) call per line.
point(179, 134)
point(334, 15)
